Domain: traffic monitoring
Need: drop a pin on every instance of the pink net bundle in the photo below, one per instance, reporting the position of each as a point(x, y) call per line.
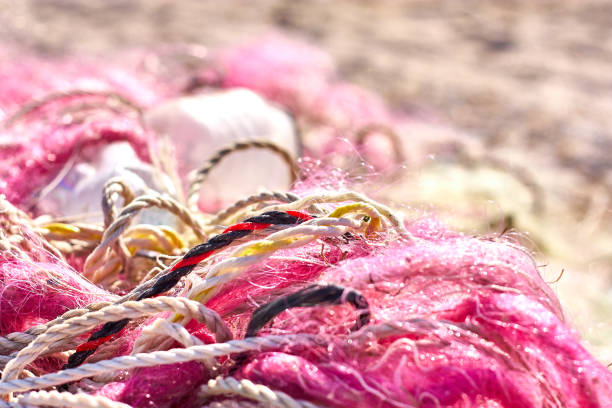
point(342, 305)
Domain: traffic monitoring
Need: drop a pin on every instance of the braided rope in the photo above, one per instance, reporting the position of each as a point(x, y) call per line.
point(200, 175)
point(67, 399)
point(129, 310)
point(254, 199)
point(122, 221)
point(156, 358)
point(250, 390)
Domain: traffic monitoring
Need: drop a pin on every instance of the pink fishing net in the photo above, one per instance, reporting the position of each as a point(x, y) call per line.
point(456, 321)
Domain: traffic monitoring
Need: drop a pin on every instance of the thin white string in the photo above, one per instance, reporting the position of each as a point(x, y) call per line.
point(155, 358)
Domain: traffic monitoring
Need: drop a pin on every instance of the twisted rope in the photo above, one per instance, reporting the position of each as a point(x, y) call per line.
point(129, 310)
point(67, 399)
point(114, 189)
point(123, 219)
point(149, 241)
point(156, 358)
point(36, 104)
point(200, 175)
point(254, 199)
point(162, 329)
point(143, 236)
point(19, 340)
point(257, 392)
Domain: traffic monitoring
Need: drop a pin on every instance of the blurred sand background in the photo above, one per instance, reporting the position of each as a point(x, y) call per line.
point(531, 80)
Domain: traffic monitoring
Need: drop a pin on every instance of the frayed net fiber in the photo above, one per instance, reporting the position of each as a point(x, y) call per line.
point(316, 297)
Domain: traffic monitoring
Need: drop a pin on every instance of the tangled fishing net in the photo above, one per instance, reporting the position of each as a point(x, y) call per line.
point(143, 264)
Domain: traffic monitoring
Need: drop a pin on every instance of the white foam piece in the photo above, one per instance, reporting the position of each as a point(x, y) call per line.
point(198, 126)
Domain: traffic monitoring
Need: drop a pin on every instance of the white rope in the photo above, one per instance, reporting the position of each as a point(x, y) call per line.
point(199, 176)
point(254, 199)
point(155, 358)
point(18, 340)
point(130, 310)
point(115, 188)
point(257, 392)
point(67, 399)
point(122, 221)
point(160, 331)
